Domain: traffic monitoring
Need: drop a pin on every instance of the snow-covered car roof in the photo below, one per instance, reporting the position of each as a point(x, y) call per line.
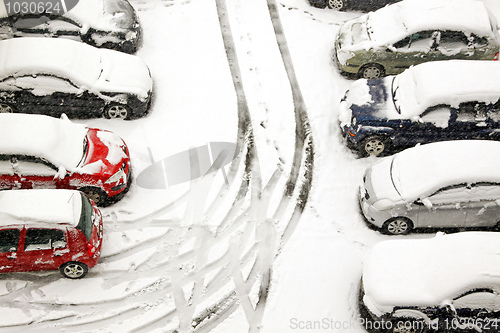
point(40, 206)
point(394, 22)
point(87, 67)
point(448, 82)
point(428, 272)
point(65, 58)
point(420, 171)
point(58, 141)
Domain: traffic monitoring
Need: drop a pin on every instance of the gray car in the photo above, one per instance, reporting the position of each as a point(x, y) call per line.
point(449, 184)
point(410, 32)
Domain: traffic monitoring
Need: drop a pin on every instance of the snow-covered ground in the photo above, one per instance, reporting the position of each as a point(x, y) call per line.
point(236, 250)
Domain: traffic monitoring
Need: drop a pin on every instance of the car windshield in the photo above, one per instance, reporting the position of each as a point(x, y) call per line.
point(85, 150)
point(394, 176)
point(369, 29)
point(394, 89)
point(85, 223)
point(86, 66)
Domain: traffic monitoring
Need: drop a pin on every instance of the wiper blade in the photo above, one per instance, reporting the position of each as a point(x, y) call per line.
point(394, 99)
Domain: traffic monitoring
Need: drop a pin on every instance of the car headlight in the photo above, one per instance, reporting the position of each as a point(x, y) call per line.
point(116, 177)
point(354, 121)
point(344, 55)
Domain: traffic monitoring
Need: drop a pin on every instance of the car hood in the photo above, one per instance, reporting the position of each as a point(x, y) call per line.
point(123, 73)
point(380, 183)
point(106, 153)
point(121, 14)
point(353, 34)
point(369, 100)
point(116, 15)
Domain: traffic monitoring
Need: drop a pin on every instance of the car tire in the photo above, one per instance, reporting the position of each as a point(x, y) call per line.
point(6, 108)
point(96, 194)
point(336, 4)
point(374, 145)
point(371, 71)
point(117, 111)
point(128, 47)
point(397, 226)
point(74, 270)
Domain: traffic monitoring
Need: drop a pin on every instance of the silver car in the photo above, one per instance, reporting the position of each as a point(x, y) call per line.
point(449, 184)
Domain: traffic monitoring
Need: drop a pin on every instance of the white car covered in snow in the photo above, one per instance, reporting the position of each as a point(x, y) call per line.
point(54, 76)
point(442, 284)
point(393, 38)
point(448, 184)
point(110, 24)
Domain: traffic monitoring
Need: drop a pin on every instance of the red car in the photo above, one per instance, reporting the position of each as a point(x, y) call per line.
point(44, 230)
point(38, 151)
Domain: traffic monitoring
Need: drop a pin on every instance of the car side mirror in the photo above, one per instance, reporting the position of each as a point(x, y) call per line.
point(425, 201)
point(61, 173)
point(450, 310)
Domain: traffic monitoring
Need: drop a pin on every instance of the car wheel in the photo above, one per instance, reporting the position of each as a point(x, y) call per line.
point(6, 108)
point(371, 71)
point(117, 111)
point(337, 4)
point(398, 226)
point(128, 47)
point(374, 145)
point(74, 270)
point(96, 194)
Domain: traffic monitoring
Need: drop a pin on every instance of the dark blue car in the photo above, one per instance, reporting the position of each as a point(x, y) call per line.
point(361, 5)
point(434, 101)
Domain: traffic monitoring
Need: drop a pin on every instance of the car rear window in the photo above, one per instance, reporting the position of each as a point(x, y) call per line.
point(85, 224)
point(9, 240)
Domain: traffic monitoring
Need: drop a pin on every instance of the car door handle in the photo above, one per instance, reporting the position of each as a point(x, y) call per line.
point(11, 258)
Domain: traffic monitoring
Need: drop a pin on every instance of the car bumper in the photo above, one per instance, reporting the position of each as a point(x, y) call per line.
point(124, 188)
point(346, 68)
point(371, 214)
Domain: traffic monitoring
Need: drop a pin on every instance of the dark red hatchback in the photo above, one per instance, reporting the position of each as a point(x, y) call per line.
point(43, 230)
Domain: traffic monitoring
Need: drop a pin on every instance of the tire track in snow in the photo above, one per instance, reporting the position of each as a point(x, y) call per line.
point(303, 163)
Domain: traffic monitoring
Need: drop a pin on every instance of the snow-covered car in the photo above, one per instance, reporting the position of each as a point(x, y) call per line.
point(442, 284)
point(362, 5)
point(42, 230)
point(448, 184)
point(410, 32)
point(109, 24)
point(43, 152)
point(441, 100)
point(54, 76)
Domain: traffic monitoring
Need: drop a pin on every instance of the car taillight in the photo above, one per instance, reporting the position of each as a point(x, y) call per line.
point(496, 56)
point(91, 249)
